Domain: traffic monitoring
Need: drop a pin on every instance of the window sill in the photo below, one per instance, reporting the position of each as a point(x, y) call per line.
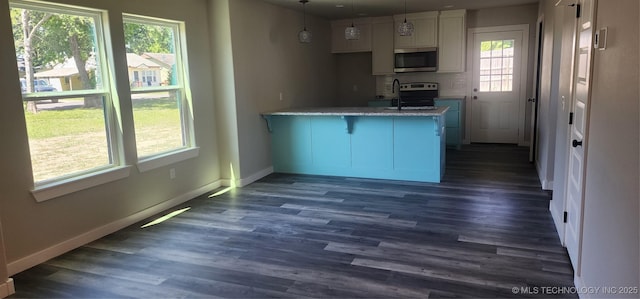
point(167, 159)
point(57, 189)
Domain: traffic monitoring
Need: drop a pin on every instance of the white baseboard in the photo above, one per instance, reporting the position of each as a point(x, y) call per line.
point(7, 289)
point(97, 233)
point(579, 284)
point(547, 185)
point(256, 176)
point(557, 216)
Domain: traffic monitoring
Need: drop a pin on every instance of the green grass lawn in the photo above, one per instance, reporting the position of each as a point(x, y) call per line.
point(55, 123)
point(73, 140)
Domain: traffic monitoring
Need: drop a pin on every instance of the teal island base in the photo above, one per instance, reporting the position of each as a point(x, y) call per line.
point(410, 148)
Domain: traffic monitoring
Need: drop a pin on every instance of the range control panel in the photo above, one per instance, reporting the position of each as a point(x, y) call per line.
point(418, 86)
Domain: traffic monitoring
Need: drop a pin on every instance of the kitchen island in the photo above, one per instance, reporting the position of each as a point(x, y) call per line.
point(366, 142)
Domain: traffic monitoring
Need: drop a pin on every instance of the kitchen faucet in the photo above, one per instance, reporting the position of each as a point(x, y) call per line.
point(393, 89)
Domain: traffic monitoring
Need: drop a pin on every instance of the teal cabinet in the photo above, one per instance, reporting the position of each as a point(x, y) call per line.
point(454, 119)
point(380, 147)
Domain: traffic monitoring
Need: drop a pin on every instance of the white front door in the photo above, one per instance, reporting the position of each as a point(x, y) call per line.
point(578, 135)
point(496, 95)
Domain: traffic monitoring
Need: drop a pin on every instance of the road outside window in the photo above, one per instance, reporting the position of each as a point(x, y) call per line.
point(68, 109)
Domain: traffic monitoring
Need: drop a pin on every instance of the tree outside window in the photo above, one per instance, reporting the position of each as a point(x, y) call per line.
point(154, 48)
point(62, 58)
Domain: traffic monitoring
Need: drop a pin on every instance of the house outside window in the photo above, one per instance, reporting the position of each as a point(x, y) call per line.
point(71, 133)
point(156, 52)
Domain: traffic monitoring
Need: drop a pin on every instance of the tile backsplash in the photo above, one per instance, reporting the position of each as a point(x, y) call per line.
point(451, 84)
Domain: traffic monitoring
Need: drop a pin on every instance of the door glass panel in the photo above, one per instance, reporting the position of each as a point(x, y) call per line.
point(496, 61)
point(485, 66)
point(485, 49)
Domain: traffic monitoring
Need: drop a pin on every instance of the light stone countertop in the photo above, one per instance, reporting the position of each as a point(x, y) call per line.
point(358, 111)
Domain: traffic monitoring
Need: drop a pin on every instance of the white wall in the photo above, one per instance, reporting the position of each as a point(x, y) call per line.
point(268, 60)
point(33, 230)
point(611, 234)
point(549, 87)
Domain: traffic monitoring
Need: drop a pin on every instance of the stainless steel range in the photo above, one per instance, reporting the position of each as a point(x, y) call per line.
point(417, 94)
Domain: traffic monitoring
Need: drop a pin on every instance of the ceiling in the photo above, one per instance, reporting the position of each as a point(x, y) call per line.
point(371, 8)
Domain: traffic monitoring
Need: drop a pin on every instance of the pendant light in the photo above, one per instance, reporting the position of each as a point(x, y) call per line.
point(406, 28)
point(353, 32)
point(304, 36)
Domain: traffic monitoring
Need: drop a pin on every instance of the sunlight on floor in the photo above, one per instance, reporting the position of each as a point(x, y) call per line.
point(232, 184)
point(166, 217)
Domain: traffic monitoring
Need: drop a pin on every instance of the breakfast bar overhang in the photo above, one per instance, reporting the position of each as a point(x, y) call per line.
point(364, 142)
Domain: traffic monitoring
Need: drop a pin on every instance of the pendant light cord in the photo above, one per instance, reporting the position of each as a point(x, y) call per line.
point(353, 13)
point(405, 11)
point(304, 15)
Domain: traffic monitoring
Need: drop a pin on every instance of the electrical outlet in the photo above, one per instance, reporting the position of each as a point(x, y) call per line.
point(281, 96)
point(172, 173)
point(355, 88)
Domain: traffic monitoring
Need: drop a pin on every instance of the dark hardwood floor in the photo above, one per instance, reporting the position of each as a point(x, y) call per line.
point(483, 231)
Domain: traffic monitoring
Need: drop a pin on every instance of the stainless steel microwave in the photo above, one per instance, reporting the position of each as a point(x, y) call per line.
point(416, 60)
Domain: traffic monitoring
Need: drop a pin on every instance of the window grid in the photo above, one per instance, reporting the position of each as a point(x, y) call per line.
point(496, 65)
point(84, 140)
point(165, 86)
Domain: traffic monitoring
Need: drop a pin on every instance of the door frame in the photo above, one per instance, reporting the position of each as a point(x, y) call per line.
point(524, 76)
point(537, 68)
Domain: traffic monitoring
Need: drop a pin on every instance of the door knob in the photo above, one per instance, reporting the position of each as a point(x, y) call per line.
point(576, 143)
point(531, 100)
point(475, 97)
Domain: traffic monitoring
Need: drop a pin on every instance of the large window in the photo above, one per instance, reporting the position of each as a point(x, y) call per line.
point(161, 113)
point(66, 90)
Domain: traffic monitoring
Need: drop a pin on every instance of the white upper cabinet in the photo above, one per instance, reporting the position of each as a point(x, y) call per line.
point(339, 44)
point(425, 30)
point(452, 41)
point(382, 46)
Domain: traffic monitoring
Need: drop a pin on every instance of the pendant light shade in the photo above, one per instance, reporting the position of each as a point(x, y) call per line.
point(406, 28)
point(352, 32)
point(304, 36)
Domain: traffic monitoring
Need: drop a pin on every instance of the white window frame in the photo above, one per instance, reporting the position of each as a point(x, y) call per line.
point(189, 149)
point(116, 170)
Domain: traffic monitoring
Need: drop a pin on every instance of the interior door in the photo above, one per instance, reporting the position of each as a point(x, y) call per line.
point(497, 60)
point(578, 135)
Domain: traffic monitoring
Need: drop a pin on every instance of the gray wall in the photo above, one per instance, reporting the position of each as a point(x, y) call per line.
point(354, 69)
point(268, 60)
point(548, 98)
point(30, 227)
point(5, 62)
point(611, 233)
